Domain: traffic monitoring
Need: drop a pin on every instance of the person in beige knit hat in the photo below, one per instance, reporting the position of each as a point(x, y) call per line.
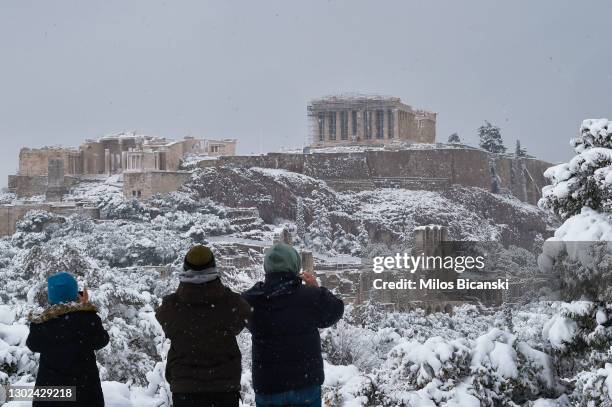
point(202, 319)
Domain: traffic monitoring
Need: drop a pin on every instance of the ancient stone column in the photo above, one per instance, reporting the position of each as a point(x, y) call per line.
point(124, 161)
point(338, 125)
point(385, 123)
point(331, 127)
point(359, 125)
point(107, 161)
point(374, 124)
point(317, 130)
point(55, 180)
point(396, 133)
point(307, 261)
point(427, 239)
point(325, 119)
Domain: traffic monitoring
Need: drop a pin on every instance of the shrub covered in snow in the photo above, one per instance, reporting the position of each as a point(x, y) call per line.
point(586, 180)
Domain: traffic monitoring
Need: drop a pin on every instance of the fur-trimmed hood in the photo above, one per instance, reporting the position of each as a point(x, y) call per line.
point(58, 310)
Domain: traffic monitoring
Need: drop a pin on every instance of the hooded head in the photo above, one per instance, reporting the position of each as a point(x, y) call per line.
point(282, 258)
point(61, 288)
point(199, 266)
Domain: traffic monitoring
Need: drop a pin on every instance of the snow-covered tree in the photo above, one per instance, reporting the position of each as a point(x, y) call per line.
point(363, 237)
point(490, 138)
point(518, 150)
point(454, 138)
point(581, 194)
point(320, 231)
point(586, 180)
point(300, 221)
point(343, 242)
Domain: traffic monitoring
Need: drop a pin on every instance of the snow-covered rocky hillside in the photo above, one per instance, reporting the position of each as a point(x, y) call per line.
point(538, 354)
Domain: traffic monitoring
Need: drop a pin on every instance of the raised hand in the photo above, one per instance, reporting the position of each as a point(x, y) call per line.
point(309, 279)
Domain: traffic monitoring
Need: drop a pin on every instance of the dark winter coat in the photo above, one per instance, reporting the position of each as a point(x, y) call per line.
point(202, 321)
point(285, 326)
point(66, 336)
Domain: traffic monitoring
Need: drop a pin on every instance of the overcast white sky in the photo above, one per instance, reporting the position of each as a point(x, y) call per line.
point(71, 70)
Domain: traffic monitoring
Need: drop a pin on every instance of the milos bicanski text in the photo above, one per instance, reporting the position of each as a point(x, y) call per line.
point(412, 264)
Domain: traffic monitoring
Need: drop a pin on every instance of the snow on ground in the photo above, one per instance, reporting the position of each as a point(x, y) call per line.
point(575, 235)
point(91, 191)
point(589, 225)
point(404, 210)
point(284, 176)
point(372, 357)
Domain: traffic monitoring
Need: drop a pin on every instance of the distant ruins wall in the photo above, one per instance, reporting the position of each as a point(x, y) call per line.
point(111, 155)
point(35, 162)
point(143, 185)
point(428, 169)
point(11, 214)
point(26, 186)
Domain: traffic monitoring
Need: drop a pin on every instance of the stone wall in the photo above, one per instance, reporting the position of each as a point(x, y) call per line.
point(11, 214)
point(143, 185)
point(35, 161)
point(412, 168)
point(109, 155)
point(25, 186)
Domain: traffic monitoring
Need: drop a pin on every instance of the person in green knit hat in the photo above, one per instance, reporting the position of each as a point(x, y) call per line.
point(202, 319)
point(289, 308)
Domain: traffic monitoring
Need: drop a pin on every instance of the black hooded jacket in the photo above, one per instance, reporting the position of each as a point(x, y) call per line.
point(66, 336)
point(285, 326)
point(202, 321)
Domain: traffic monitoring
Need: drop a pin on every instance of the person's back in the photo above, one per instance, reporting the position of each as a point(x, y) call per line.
point(66, 336)
point(287, 362)
point(202, 319)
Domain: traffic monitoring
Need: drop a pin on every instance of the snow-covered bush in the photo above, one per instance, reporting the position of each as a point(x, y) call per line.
point(506, 371)
point(35, 228)
point(365, 348)
point(594, 388)
point(580, 335)
point(319, 236)
point(412, 365)
point(586, 180)
point(345, 243)
point(117, 207)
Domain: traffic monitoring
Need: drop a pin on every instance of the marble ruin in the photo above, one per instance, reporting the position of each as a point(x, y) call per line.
point(49, 170)
point(149, 165)
point(367, 120)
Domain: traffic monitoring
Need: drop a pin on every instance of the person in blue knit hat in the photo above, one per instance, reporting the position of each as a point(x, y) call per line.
point(66, 334)
point(62, 288)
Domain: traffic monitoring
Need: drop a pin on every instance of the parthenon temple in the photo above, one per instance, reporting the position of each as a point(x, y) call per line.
point(342, 120)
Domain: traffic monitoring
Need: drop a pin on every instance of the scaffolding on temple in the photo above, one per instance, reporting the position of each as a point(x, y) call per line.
point(356, 119)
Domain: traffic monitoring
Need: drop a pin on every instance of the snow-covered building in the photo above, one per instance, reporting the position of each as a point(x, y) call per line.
point(110, 155)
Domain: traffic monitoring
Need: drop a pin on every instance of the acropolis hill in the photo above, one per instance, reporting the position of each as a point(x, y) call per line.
point(355, 143)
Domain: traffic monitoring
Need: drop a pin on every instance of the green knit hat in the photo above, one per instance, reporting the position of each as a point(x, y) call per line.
point(199, 258)
point(282, 258)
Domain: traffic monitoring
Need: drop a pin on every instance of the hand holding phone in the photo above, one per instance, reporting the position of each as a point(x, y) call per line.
point(309, 279)
point(84, 296)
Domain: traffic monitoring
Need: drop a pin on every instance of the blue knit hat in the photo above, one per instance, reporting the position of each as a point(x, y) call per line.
point(62, 287)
